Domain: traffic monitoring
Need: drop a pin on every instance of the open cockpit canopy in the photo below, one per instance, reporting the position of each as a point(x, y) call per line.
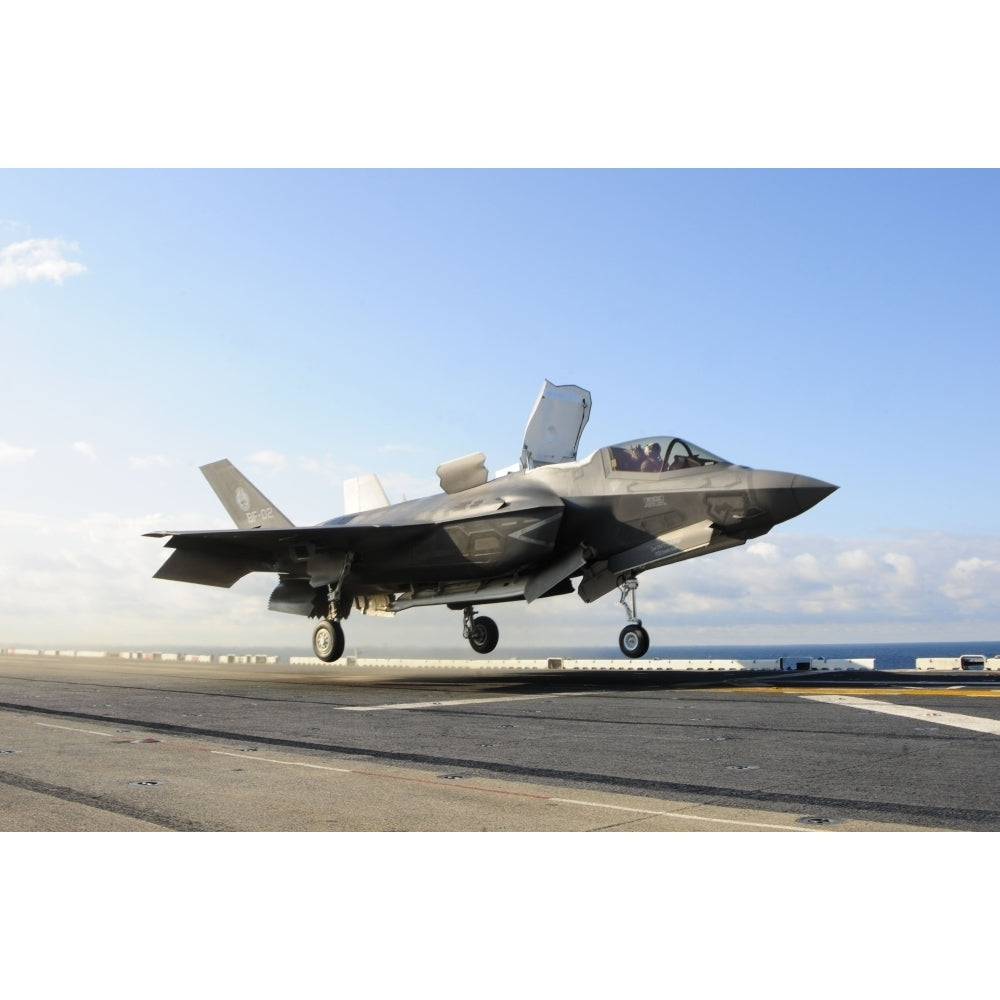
point(659, 454)
point(553, 433)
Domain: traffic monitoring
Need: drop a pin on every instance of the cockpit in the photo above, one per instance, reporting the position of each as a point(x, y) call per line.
point(659, 454)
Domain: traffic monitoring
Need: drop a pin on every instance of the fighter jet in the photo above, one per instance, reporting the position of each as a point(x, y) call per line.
point(548, 525)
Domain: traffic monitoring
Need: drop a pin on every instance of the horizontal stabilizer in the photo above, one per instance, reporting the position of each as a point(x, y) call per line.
point(188, 566)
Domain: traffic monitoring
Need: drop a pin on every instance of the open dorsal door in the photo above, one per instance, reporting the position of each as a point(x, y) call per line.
point(553, 433)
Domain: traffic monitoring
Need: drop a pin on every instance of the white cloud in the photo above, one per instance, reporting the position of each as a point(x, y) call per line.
point(37, 260)
point(906, 570)
point(974, 581)
point(108, 567)
point(85, 448)
point(932, 583)
point(273, 461)
point(807, 567)
point(148, 461)
point(856, 561)
point(765, 551)
point(11, 453)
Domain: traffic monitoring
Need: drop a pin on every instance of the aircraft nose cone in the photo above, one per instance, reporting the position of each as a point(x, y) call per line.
point(808, 492)
point(784, 495)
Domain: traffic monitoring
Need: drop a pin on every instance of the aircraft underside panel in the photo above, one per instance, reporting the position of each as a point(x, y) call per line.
point(695, 540)
point(298, 597)
point(460, 594)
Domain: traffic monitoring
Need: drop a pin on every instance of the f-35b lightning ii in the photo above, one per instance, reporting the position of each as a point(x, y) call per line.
point(528, 533)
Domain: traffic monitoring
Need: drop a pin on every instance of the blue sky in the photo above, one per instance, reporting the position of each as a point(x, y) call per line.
point(310, 325)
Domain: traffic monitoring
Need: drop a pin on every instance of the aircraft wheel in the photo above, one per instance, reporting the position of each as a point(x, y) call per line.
point(633, 641)
point(484, 635)
point(328, 640)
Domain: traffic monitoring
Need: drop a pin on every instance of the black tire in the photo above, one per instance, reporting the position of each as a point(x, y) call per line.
point(633, 641)
point(328, 641)
point(484, 635)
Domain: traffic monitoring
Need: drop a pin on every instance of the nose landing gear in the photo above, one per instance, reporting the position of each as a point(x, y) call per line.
point(634, 639)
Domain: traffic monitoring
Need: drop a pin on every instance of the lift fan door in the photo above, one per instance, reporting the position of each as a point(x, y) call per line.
point(553, 433)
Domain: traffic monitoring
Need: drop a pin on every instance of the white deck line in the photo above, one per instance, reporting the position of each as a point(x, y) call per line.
point(466, 701)
point(973, 722)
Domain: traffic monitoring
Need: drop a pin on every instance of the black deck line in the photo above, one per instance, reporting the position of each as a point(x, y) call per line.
point(103, 802)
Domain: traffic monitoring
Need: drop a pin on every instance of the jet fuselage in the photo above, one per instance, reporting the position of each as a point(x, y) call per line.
point(530, 533)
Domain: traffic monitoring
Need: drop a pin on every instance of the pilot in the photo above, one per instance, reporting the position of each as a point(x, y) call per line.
point(653, 462)
point(635, 458)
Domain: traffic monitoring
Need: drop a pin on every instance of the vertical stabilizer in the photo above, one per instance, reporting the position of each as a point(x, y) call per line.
point(247, 506)
point(364, 493)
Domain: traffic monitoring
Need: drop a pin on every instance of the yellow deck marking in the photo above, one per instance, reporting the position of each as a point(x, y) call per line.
point(892, 692)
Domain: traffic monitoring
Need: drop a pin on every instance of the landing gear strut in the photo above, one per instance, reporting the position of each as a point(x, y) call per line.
point(328, 640)
point(482, 633)
point(634, 639)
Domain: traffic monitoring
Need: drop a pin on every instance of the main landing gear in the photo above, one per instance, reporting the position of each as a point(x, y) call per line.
point(482, 633)
point(328, 640)
point(634, 639)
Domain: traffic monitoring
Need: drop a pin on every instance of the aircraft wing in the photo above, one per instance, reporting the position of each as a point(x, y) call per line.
point(220, 558)
point(469, 532)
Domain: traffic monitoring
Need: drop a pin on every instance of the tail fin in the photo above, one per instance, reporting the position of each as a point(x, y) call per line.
point(364, 493)
point(246, 505)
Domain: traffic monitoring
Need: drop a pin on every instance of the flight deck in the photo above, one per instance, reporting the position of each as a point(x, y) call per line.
point(108, 743)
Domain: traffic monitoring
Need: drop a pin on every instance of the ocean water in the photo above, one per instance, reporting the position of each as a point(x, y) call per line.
point(887, 656)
